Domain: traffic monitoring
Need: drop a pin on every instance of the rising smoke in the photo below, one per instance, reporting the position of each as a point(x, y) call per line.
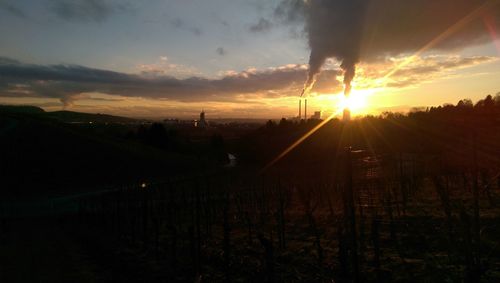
point(343, 22)
point(355, 30)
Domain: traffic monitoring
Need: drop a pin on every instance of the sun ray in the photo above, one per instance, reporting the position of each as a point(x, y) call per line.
point(379, 134)
point(356, 102)
point(447, 33)
point(490, 24)
point(371, 148)
point(299, 141)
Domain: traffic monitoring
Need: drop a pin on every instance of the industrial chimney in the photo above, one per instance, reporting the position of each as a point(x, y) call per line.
point(305, 109)
point(300, 109)
point(347, 115)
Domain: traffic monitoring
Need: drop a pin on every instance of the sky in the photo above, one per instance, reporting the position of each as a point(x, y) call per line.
point(246, 58)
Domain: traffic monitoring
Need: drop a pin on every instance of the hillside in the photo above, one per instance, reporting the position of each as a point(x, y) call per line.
point(64, 116)
point(78, 117)
point(39, 153)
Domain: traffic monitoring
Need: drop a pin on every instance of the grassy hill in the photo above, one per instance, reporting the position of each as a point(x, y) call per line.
point(25, 109)
point(63, 116)
point(78, 117)
point(39, 153)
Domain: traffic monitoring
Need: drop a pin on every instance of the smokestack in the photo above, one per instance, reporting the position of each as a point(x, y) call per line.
point(347, 115)
point(305, 109)
point(300, 109)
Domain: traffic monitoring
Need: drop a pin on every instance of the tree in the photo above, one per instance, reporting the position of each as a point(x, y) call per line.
point(488, 102)
point(465, 103)
point(497, 99)
point(270, 125)
point(158, 135)
point(284, 123)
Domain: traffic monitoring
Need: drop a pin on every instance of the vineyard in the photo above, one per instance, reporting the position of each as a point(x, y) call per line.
point(382, 218)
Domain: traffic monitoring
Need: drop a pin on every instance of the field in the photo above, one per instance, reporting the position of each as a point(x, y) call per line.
point(381, 199)
point(366, 228)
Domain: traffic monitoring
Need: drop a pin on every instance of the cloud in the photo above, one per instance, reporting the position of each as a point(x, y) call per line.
point(263, 25)
point(12, 9)
point(291, 11)
point(367, 30)
point(420, 70)
point(221, 51)
point(86, 10)
point(8, 61)
point(68, 82)
point(165, 67)
point(433, 69)
point(178, 23)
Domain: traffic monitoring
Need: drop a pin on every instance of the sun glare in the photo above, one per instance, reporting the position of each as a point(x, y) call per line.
point(356, 102)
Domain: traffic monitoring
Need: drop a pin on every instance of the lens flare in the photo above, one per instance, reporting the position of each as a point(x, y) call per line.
point(356, 102)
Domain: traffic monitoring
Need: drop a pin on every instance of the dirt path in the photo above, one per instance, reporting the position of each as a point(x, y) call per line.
point(35, 250)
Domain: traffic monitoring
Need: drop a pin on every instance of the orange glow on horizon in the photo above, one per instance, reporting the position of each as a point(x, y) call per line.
point(356, 101)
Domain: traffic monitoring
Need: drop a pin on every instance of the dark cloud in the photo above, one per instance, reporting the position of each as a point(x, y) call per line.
point(289, 77)
point(262, 26)
point(69, 82)
point(7, 61)
point(180, 24)
point(221, 51)
point(86, 10)
point(356, 30)
point(12, 9)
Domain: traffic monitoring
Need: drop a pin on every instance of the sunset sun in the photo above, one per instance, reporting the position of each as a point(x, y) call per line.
point(356, 102)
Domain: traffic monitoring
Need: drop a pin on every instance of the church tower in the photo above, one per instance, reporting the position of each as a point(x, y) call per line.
point(202, 123)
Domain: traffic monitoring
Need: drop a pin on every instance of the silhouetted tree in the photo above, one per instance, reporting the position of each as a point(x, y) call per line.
point(158, 135)
point(270, 125)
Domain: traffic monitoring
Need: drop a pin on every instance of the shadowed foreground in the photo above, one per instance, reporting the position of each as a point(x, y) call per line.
point(382, 199)
point(37, 250)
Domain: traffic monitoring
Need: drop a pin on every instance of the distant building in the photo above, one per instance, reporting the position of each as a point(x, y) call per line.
point(171, 121)
point(317, 115)
point(202, 123)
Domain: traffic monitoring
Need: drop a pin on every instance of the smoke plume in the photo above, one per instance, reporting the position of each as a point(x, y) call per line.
point(355, 30)
point(334, 29)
